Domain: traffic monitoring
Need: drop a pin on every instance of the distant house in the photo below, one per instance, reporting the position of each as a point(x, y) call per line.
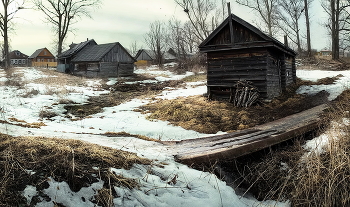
point(150, 56)
point(238, 51)
point(18, 59)
point(93, 60)
point(42, 58)
point(325, 52)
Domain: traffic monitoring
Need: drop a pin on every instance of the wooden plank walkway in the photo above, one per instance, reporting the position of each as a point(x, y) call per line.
point(233, 145)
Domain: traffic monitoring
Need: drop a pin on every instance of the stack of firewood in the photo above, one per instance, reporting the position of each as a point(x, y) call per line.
point(245, 95)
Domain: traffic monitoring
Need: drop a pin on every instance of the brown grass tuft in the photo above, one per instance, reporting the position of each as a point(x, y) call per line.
point(125, 134)
point(63, 160)
point(320, 180)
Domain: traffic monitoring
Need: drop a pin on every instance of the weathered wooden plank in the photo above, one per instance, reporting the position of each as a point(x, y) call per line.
point(230, 146)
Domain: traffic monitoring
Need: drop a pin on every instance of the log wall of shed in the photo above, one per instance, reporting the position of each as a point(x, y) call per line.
point(225, 68)
point(104, 69)
point(117, 54)
point(273, 77)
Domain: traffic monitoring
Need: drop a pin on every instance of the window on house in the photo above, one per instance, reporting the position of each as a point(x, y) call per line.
point(16, 61)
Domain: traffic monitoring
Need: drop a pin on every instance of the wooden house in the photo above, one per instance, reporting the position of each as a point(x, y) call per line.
point(65, 64)
point(237, 51)
point(18, 59)
point(150, 56)
point(93, 60)
point(42, 58)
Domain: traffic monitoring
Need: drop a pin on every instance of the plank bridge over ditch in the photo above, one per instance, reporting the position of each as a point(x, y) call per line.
point(236, 144)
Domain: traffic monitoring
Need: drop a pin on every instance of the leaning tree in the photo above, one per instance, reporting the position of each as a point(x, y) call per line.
point(62, 14)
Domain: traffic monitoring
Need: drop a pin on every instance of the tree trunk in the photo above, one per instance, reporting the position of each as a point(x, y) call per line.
point(308, 36)
point(335, 29)
point(6, 40)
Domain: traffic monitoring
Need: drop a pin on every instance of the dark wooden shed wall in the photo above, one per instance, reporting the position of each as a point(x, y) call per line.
point(268, 71)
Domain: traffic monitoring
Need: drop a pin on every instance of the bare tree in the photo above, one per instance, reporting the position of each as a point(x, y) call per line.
point(134, 48)
point(338, 22)
point(307, 21)
point(203, 15)
point(267, 10)
point(62, 14)
point(156, 41)
point(289, 15)
point(9, 9)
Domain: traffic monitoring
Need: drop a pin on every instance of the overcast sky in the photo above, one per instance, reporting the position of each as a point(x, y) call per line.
point(124, 22)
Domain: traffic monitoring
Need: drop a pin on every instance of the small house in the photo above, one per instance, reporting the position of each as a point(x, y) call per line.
point(42, 58)
point(150, 56)
point(93, 60)
point(237, 51)
point(18, 59)
point(65, 64)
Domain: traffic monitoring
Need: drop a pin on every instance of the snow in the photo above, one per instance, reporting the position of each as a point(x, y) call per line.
point(313, 75)
point(173, 184)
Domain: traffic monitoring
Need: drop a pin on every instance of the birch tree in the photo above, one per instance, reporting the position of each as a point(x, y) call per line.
point(62, 14)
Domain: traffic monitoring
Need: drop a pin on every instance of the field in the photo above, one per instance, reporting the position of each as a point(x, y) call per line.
point(86, 142)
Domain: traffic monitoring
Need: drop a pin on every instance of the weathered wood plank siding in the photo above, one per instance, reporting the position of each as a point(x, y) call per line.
point(273, 81)
point(104, 69)
point(117, 55)
point(226, 68)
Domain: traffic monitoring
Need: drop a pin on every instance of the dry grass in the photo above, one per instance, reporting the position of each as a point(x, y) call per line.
point(199, 114)
point(125, 134)
point(315, 180)
point(63, 160)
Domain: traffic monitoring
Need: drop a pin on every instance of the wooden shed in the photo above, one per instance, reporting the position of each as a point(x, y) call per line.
point(104, 60)
point(93, 60)
point(65, 64)
point(237, 51)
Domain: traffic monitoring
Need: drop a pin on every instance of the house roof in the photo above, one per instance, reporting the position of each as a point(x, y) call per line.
point(95, 53)
point(16, 54)
point(75, 48)
point(265, 38)
point(37, 52)
point(152, 55)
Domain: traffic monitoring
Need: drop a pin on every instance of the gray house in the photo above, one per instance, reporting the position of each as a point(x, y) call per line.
point(150, 56)
point(93, 60)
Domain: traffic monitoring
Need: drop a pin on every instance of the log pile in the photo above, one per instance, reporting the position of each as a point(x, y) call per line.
point(245, 94)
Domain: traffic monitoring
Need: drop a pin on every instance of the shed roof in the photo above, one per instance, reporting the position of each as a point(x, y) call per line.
point(265, 40)
point(152, 55)
point(75, 48)
point(95, 53)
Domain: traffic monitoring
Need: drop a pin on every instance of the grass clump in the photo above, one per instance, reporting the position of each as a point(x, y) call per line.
point(125, 134)
point(72, 161)
point(202, 115)
point(304, 177)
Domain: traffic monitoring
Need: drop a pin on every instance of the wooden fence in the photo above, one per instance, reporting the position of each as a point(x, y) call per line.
point(44, 64)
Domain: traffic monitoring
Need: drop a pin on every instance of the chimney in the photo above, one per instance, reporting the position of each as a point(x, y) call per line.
point(286, 41)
